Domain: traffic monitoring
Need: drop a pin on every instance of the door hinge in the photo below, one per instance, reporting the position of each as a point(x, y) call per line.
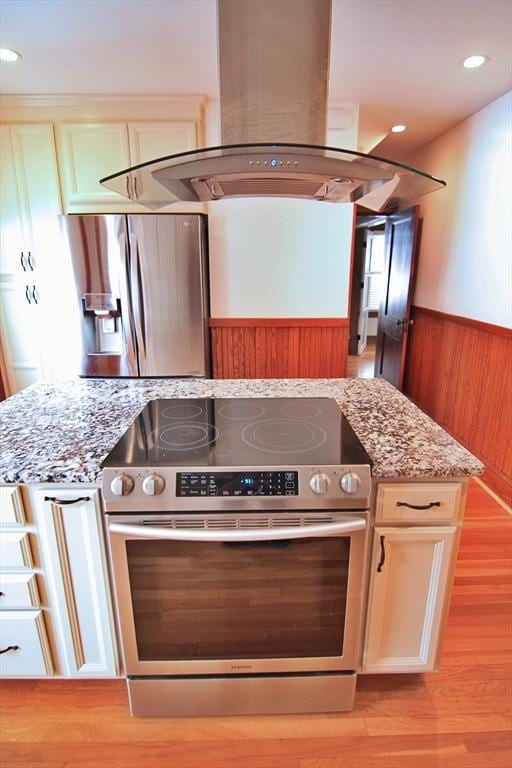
point(358, 337)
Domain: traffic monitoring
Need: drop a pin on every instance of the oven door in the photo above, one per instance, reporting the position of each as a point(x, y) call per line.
point(212, 594)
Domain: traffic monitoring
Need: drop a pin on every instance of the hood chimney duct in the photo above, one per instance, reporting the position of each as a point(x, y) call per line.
point(274, 70)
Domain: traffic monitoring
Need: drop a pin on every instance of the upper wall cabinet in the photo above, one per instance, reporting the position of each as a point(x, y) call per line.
point(87, 152)
point(151, 140)
point(30, 199)
point(90, 151)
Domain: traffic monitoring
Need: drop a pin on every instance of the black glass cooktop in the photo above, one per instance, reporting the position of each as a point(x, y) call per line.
point(238, 432)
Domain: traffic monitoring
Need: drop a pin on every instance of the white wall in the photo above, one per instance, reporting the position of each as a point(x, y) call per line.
point(273, 257)
point(279, 258)
point(465, 263)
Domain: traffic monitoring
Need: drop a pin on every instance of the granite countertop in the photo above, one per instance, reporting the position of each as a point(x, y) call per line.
point(61, 431)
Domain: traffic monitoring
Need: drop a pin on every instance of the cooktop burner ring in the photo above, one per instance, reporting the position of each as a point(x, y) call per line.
point(189, 437)
point(301, 410)
point(182, 411)
point(312, 436)
point(241, 411)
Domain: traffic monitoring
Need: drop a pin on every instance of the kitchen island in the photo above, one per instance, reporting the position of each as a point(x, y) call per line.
point(60, 432)
point(54, 439)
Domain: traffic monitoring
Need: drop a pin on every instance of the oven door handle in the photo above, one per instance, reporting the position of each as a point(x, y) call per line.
point(350, 525)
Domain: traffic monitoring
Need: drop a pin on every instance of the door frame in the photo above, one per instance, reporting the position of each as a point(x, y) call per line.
point(361, 222)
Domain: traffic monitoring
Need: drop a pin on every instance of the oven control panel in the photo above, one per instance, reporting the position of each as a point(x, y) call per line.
point(237, 483)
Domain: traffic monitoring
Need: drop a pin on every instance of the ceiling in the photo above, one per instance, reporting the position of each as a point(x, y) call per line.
point(397, 59)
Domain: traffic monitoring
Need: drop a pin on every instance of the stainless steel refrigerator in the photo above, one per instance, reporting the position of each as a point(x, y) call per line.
point(142, 288)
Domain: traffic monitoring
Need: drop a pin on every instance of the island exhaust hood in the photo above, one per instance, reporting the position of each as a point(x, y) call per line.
point(273, 67)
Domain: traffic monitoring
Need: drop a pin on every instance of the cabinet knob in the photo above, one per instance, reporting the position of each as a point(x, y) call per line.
point(122, 485)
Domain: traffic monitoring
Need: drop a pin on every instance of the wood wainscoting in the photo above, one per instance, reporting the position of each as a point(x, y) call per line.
point(459, 371)
point(279, 348)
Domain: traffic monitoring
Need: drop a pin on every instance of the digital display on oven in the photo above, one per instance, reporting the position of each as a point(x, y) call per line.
point(283, 483)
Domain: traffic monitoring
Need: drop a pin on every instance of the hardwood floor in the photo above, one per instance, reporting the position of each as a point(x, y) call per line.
point(362, 366)
point(458, 717)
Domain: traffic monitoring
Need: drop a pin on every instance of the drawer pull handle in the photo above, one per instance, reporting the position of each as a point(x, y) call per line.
point(419, 506)
point(382, 555)
point(10, 648)
point(65, 502)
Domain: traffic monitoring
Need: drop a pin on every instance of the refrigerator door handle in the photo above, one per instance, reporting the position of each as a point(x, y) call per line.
point(137, 293)
point(126, 301)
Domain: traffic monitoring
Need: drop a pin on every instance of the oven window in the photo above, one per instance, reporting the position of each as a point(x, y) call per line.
point(195, 600)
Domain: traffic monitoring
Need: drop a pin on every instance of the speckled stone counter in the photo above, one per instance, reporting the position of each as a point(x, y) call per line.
point(61, 431)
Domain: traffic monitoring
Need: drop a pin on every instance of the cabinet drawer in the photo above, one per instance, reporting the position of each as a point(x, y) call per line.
point(24, 633)
point(15, 550)
point(18, 590)
point(418, 502)
point(11, 506)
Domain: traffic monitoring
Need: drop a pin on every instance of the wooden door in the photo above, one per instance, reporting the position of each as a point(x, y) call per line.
point(400, 245)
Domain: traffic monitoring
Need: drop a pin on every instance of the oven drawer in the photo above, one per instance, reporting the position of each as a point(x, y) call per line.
point(15, 550)
point(18, 590)
point(24, 644)
point(418, 502)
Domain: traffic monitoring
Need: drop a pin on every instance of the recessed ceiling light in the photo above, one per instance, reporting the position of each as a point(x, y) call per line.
point(472, 62)
point(399, 128)
point(6, 54)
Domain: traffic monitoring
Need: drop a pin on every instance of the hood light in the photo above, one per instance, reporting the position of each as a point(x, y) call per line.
point(398, 128)
point(472, 62)
point(6, 54)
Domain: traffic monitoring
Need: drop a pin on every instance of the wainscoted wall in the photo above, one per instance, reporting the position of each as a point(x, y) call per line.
point(459, 371)
point(268, 348)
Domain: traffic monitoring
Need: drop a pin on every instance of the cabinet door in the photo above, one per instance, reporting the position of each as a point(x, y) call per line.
point(33, 279)
point(87, 153)
point(19, 335)
point(11, 233)
point(37, 184)
point(70, 530)
point(410, 577)
point(149, 141)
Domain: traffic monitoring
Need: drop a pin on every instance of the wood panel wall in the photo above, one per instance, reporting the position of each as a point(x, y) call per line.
point(460, 371)
point(288, 348)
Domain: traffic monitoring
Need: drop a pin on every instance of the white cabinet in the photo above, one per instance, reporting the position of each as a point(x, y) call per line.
point(91, 151)
point(87, 153)
point(418, 503)
point(24, 645)
point(20, 334)
point(410, 578)
point(69, 523)
point(35, 277)
point(30, 199)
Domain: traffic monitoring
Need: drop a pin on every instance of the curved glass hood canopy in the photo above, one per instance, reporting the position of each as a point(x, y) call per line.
point(273, 170)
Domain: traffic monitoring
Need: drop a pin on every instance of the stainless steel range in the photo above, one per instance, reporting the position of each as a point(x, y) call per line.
point(238, 531)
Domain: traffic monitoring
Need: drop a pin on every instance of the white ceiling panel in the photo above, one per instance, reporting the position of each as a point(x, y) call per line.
point(397, 59)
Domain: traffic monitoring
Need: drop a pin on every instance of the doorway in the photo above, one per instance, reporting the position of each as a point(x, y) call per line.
point(381, 286)
point(366, 291)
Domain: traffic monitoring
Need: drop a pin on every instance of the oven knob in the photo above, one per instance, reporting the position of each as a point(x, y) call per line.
point(153, 485)
point(122, 485)
point(350, 482)
point(319, 483)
